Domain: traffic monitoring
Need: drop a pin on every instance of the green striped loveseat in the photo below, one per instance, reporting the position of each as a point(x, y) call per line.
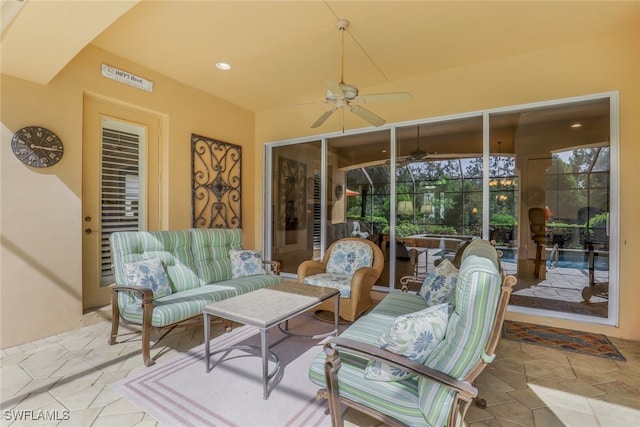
point(442, 389)
point(198, 265)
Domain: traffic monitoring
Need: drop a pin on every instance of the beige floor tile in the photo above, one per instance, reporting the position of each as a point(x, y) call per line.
point(544, 417)
point(597, 364)
point(549, 370)
point(487, 378)
point(119, 420)
point(41, 369)
point(106, 397)
point(475, 414)
point(78, 395)
point(550, 355)
point(606, 422)
point(492, 396)
point(589, 376)
point(148, 421)
point(514, 412)
point(615, 411)
point(553, 398)
point(120, 406)
point(573, 418)
point(14, 379)
point(528, 398)
point(620, 401)
point(517, 380)
point(621, 389)
point(580, 388)
point(82, 417)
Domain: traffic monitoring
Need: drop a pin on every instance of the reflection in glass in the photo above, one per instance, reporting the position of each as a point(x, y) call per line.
point(563, 171)
point(296, 204)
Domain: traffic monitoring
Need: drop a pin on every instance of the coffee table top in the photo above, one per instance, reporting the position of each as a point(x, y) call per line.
point(267, 307)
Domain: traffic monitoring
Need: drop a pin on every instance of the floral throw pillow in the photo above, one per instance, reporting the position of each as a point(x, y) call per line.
point(412, 335)
point(148, 273)
point(439, 286)
point(246, 263)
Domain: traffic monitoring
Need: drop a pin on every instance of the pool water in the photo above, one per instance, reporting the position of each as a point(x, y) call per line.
point(566, 259)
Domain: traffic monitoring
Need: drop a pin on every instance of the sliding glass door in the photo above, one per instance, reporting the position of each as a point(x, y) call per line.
point(295, 204)
point(537, 180)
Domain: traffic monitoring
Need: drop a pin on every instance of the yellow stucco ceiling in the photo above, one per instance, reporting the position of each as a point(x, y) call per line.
point(282, 52)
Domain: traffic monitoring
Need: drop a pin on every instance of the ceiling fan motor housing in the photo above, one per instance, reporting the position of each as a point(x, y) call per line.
point(349, 93)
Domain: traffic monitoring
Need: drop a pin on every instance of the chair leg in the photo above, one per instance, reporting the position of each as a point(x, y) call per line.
point(115, 318)
point(480, 403)
point(147, 310)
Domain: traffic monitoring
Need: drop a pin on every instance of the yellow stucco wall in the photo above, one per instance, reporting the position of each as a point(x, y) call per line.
point(606, 64)
point(41, 216)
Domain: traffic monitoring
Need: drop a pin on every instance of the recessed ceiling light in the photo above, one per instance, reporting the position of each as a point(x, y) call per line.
point(223, 66)
point(576, 125)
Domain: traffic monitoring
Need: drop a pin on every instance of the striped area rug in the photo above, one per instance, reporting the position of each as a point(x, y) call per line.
point(562, 339)
point(181, 393)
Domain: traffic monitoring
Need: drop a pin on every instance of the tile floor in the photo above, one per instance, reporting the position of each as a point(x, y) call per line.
point(526, 385)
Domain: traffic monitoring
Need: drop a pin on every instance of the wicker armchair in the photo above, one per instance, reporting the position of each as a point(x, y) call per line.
point(354, 276)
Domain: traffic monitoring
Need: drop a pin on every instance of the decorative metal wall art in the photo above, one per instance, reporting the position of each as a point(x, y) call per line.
point(216, 183)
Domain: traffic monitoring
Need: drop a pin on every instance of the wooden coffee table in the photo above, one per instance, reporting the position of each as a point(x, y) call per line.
point(264, 309)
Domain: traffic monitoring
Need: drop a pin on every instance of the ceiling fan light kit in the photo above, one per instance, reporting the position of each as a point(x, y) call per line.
point(345, 95)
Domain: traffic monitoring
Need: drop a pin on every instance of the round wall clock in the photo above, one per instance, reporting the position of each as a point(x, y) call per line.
point(37, 147)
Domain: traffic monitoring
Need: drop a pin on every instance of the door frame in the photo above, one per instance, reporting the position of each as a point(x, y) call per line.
point(95, 109)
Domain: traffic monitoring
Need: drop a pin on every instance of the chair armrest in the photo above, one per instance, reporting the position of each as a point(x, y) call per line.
point(274, 266)
point(406, 280)
point(363, 280)
point(145, 294)
point(335, 344)
point(309, 268)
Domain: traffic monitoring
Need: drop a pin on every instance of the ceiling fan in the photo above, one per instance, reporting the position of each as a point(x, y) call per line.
point(346, 96)
point(416, 155)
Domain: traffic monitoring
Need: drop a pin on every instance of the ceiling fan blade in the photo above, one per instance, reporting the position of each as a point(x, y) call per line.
point(323, 118)
point(367, 115)
point(384, 97)
point(334, 88)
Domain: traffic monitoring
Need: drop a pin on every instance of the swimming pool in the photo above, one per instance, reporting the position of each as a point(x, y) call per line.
point(567, 258)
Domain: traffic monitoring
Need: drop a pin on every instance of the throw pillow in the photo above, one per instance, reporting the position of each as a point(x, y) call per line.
point(439, 285)
point(246, 263)
point(412, 335)
point(148, 273)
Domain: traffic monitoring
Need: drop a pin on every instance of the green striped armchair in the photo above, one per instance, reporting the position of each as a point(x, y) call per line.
point(441, 389)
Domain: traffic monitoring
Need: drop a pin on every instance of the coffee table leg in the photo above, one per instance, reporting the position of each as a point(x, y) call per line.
point(207, 332)
point(336, 314)
point(265, 363)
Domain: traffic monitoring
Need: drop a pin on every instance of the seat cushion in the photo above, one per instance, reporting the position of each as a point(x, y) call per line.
point(185, 304)
point(397, 399)
point(348, 256)
point(341, 282)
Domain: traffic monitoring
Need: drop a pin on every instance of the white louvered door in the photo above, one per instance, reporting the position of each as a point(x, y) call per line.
point(118, 193)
